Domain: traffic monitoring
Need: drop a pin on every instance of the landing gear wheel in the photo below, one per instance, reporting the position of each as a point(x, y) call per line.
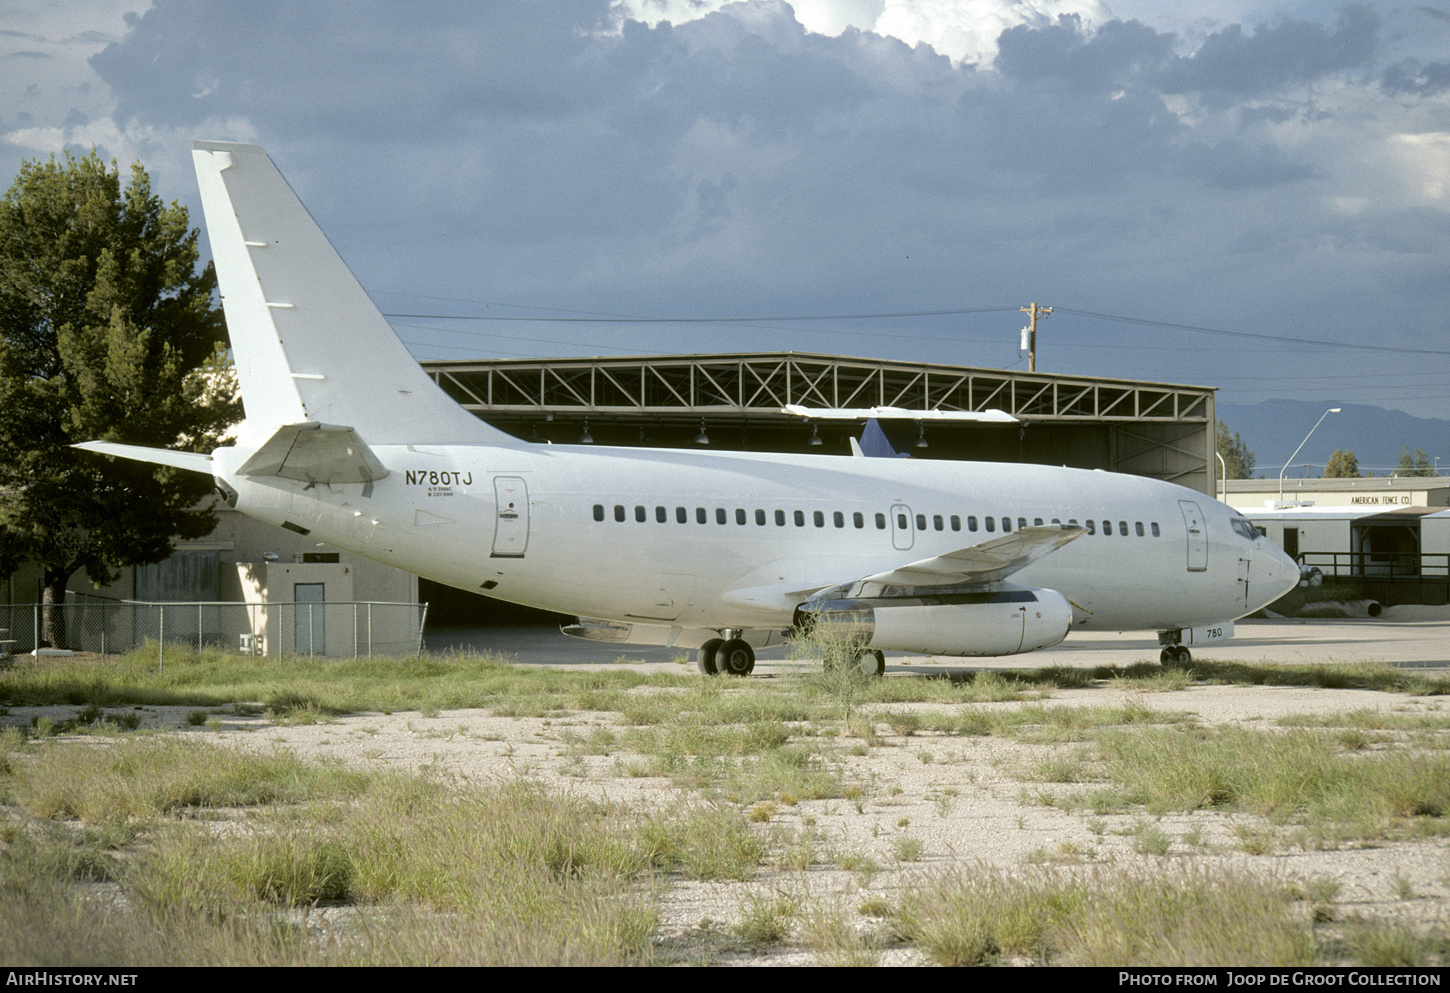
point(871, 663)
point(735, 658)
point(707, 657)
point(1176, 655)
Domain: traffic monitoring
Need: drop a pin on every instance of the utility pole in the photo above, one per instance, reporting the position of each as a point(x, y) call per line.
point(1030, 333)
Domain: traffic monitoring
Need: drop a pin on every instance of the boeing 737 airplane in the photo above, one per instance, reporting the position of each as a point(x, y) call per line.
point(348, 441)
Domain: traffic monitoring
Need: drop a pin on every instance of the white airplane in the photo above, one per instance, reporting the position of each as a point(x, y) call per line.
point(348, 441)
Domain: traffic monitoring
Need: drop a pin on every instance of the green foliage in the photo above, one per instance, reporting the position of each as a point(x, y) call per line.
point(1342, 465)
point(1238, 458)
point(1415, 463)
point(107, 331)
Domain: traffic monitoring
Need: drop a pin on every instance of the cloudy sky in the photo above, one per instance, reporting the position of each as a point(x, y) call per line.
point(1250, 195)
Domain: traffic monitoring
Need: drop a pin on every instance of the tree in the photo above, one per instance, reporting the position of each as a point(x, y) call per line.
point(1238, 458)
point(1415, 463)
point(107, 331)
point(1342, 465)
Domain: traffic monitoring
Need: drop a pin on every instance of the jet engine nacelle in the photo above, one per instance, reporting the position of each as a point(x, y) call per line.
point(1004, 622)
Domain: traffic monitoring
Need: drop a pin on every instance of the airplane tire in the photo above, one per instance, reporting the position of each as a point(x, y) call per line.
point(872, 663)
point(1176, 655)
point(736, 658)
point(707, 657)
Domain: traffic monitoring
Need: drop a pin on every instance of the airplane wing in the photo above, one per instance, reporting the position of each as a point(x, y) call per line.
point(315, 453)
point(976, 566)
point(989, 562)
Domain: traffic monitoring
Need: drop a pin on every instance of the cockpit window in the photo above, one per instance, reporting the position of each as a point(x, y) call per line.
point(1245, 528)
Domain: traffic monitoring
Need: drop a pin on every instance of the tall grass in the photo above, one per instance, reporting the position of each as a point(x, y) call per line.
point(1196, 917)
point(1295, 775)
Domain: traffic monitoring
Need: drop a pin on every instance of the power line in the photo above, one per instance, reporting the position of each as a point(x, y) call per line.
point(1252, 334)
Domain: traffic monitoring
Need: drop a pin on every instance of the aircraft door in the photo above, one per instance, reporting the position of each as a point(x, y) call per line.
point(511, 529)
point(1197, 536)
point(903, 536)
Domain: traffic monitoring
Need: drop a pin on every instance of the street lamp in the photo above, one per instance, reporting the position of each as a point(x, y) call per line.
point(1331, 410)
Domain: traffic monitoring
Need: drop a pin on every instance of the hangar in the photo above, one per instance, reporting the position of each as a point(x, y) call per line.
point(1162, 430)
point(738, 402)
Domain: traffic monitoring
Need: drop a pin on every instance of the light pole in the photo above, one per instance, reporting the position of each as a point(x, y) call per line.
point(1331, 410)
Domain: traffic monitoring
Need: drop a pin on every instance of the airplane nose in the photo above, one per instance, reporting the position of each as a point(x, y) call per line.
point(1277, 570)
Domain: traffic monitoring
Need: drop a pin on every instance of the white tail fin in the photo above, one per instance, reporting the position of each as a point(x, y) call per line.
point(308, 343)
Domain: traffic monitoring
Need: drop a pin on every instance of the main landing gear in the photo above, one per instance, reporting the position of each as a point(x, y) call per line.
point(871, 663)
point(732, 657)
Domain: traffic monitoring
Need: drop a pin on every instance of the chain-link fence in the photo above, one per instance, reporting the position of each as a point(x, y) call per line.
point(113, 627)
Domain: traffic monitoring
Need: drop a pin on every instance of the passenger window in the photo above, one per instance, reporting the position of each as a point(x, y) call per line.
point(858, 519)
point(839, 519)
point(1037, 522)
point(880, 522)
point(1092, 529)
point(599, 511)
point(1108, 528)
point(820, 518)
point(991, 523)
point(1138, 526)
point(1056, 522)
point(739, 515)
point(921, 522)
point(800, 518)
point(639, 513)
point(720, 517)
point(956, 523)
point(780, 518)
point(936, 522)
point(760, 518)
point(701, 517)
point(971, 522)
point(619, 512)
point(661, 514)
point(901, 522)
point(1123, 528)
point(682, 516)
point(1021, 523)
point(1006, 524)
point(1154, 527)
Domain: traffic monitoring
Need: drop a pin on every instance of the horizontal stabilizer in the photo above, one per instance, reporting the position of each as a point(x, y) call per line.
point(194, 461)
point(978, 565)
point(315, 453)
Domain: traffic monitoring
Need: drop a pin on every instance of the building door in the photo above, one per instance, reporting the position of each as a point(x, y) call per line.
point(511, 531)
point(1197, 536)
point(310, 627)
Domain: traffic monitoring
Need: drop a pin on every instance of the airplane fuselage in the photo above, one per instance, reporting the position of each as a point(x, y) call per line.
point(633, 535)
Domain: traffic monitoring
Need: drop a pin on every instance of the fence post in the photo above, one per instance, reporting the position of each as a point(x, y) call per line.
point(354, 629)
point(370, 629)
point(161, 641)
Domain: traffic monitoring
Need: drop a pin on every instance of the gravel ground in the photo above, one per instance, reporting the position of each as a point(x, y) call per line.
point(962, 799)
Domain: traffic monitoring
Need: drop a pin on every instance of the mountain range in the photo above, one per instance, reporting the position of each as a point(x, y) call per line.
point(1274, 428)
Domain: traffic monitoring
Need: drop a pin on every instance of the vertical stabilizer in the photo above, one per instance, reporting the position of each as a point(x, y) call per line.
point(308, 342)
